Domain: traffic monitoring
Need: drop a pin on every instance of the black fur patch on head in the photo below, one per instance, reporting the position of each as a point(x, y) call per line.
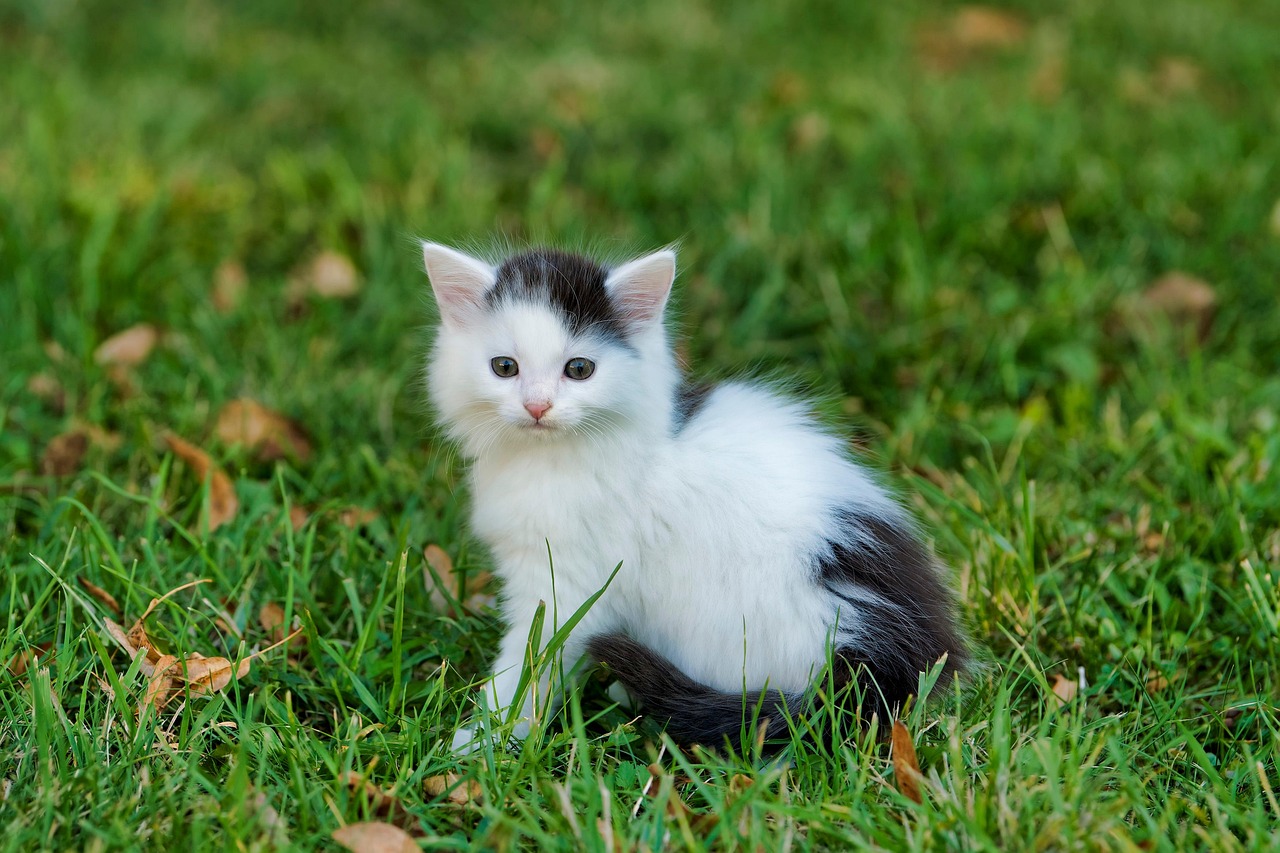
point(571, 284)
point(905, 625)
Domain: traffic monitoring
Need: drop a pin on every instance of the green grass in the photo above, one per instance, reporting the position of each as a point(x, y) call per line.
point(950, 255)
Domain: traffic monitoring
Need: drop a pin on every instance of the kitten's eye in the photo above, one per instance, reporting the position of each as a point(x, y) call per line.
point(504, 366)
point(579, 368)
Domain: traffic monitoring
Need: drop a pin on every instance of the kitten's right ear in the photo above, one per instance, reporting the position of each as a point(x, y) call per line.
point(459, 281)
point(642, 286)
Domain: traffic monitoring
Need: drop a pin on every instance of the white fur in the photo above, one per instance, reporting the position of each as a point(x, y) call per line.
point(717, 525)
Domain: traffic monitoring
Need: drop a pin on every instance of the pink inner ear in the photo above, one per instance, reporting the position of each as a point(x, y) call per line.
point(642, 286)
point(458, 280)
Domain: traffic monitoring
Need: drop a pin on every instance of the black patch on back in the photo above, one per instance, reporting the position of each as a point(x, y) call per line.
point(690, 399)
point(908, 635)
point(571, 284)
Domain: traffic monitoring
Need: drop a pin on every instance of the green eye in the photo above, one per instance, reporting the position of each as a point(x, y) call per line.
point(504, 366)
point(579, 368)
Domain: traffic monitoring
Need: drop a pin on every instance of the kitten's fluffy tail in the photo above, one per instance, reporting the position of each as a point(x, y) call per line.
point(693, 712)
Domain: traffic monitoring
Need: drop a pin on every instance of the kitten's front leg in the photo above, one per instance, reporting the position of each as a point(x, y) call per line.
point(540, 695)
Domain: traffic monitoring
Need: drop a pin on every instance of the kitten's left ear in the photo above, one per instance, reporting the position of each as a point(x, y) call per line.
point(459, 281)
point(641, 287)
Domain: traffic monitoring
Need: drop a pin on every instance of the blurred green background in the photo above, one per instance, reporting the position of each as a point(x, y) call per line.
point(947, 220)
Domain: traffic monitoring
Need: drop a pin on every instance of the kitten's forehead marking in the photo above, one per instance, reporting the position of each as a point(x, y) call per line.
point(571, 285)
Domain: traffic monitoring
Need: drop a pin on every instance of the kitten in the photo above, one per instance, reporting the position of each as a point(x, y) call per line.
point(752, 548)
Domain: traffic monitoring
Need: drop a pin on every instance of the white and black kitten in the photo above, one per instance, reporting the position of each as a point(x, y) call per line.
point(753, 549)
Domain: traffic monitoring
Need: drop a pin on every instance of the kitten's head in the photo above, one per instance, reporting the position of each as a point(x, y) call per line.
point(548, 345)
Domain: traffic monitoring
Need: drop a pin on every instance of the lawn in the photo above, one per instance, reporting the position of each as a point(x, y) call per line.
point(1030, 254)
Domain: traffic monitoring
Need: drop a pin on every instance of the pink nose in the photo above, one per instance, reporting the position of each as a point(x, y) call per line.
point(537, 409)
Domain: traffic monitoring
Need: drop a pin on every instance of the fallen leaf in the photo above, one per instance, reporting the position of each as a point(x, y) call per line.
point(117, 633)
point(229, 285)
point(268, 433)
point(1049, 78)
point(1156, 681)
point(101, 594)
point(380, 803)
point(906, 769)
point(206, 676)
point(971, 31)
point(54, 350)
point(101, 438)
point(48, 389)
point(464, 793)
point(440, 563)
point(1177, 75)
point(64, 453)
point(1065, 689)
point(809, 131)
point(475, 596)
point(27, 658)
point(271, 618)
point(329, 275)
point(371, 837)
point(298, 516)
point(160, 687)
point(259, 807)
point(128, 348)
point(223, 503)
point(356, 516)
point(1181, 299)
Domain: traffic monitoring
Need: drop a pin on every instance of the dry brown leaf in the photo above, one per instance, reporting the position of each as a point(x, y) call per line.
point(808, 131)
point(128, 348)
point(906, 769)
point(329, 275)
point(439, 561)
point(381, 804)
point(48, 389)
point(1177, 75)
point(229, 285)
point(160, 687)
point(1049, 78)
point(356, 516)
point(223, 503)
point(101, 594)
point(117, 633)
point(1157, 682)
point(373, 837)
point(27, 658)
point(64, 453)
point(1181, 299)
point(206, 676)
point(971, 31)
point(1065, 689)
point(298, 516)
point(475, 596)
point(464, 793)
point(985, 27)
point(269, 434)
point(271, 618)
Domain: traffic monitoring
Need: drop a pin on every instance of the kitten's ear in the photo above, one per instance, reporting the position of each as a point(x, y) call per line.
point(459, 281)
point(641, 287)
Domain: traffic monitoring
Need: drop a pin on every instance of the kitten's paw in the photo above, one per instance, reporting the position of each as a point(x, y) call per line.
point(618, 693)
point(467, 740)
